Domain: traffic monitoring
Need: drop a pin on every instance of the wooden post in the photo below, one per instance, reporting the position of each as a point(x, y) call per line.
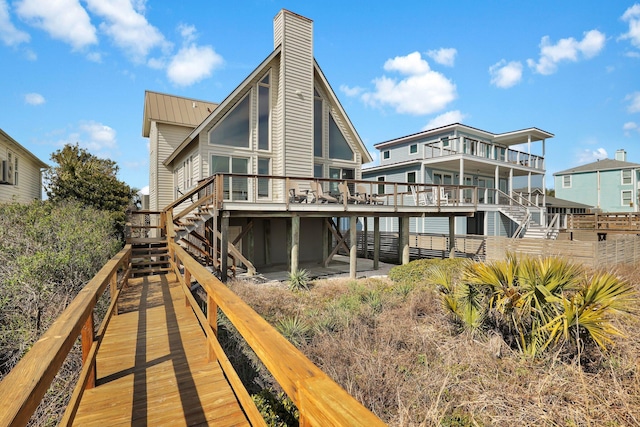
point(251, 254)
point(365, 237)
point(295, 242)
point(326, 238)
point(87, 342)
point(353, 246)
point(187, 282)
point(267, 241)
point(376, 242)
point(212, 317)
point(452, 237)
point(403, 244)
point(113, 288)
point(224, 246)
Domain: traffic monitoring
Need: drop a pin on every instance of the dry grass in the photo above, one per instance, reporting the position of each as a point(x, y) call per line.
point(396, 351)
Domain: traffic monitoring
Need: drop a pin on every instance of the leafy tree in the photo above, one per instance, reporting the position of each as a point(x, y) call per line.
point(79, 175)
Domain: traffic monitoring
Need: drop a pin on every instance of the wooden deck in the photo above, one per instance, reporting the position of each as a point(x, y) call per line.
point(152, 366)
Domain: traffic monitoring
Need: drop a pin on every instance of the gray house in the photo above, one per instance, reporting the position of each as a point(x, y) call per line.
point(458, 154)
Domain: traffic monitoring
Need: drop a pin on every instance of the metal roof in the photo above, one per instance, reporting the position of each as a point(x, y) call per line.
point(172, 109)
point(600, 165)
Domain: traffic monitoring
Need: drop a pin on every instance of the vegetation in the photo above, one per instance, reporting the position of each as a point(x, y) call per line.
point(299, 280)
point(398, 348)
point(48, 252)
point(81, 176)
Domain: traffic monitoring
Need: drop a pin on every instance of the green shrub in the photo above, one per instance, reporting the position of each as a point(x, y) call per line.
point(294, 329)
point(299, 280)
point(277, 410)
point(416, 271)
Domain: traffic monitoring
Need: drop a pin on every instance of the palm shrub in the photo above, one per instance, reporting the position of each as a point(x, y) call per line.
point(298, 280)
point(534, 303)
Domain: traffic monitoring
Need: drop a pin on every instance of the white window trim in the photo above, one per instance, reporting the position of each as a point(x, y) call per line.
point(564, 185)
point(386, 155)
point(270, 131)
point(413, 145)
point(622, 198)
point(406, 176)
point(622, 177)
point(248, 149)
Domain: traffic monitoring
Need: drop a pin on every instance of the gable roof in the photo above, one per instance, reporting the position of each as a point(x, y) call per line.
point(507, 138)
point(600, 165)
point(32, 156)
point(171, 109)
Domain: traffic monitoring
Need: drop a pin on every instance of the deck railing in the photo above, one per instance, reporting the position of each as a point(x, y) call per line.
point(622, 221)
point(24, 387)
point(319, 399)
point(485, 150)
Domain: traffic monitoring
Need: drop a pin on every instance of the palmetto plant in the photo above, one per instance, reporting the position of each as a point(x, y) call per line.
point(536, 302)
point(298, 280)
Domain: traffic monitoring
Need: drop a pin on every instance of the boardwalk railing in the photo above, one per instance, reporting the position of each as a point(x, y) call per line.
point(623, 221)
point(319, 399)
point(23, 388)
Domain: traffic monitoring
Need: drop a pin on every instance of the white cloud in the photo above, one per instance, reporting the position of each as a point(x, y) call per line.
point(9, 34)
point(127, 27)
point(423, 91)
point(443, 56)
point(634, 102)
point(630, 127)
point(351, 91)
point(589, 156)
point(505, 75)
point(447, 118)
point(94, 57)
point(34, 99)
point(64, 20)
point(192, 63)
point(568, 49)
point(144, 190)
point(97, 136)
point(632, 15)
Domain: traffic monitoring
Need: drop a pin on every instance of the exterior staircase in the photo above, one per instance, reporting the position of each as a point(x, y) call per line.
point(149, 256)
point(528, 228)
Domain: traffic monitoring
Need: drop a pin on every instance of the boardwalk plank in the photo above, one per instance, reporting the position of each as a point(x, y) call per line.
point(152, 366)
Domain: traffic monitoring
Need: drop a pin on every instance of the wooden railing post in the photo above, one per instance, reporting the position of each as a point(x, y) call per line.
point(113, 289)
point(87, 342)
point(187, 283)
point(212, 318)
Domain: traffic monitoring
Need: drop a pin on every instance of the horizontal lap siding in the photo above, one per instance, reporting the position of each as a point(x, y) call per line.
point(29, 186)
point(169, 138)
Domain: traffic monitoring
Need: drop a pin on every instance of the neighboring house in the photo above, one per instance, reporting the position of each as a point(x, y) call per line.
point(609, 185)
point(20, 172)
point(458, 154)
point(283, 119)
point(555, 207)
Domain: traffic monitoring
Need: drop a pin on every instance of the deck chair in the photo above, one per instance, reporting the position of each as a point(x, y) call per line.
point(295, 194)
point(346, 194)
point(440, 196)
point(418, 196)
point(371, 199)
point(320, 197)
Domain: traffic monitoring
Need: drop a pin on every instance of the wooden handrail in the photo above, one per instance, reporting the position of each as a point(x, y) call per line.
point(316, 395)
point(23, 388)
point(190, 193)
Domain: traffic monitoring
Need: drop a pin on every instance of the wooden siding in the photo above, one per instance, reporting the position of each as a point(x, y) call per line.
point(297, 90)
point(29, 185)
point(153, 167)
point(169, 137)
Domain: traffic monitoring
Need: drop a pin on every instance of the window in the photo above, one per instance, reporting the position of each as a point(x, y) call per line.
point(626, 198)
point(318, 170)
point(15, 171)
point(264, 168)
point(187, 173)
point(238, 185)
point(445, 141)
point(440, 178)
point(233, 129)
point(340, 173)
point(413, 148)
point(411, 177)
point(385, 154)
point(566, 181)
point(264, 96)
point(626, 177)
point(338, 146)
point(317, 127)
point(381, 186)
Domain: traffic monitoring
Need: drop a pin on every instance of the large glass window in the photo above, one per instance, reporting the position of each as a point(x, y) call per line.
point(317, 127)
point(263, 113)
point(238, 184)
point(341, 173)
point(338, 145)
point(233, 129)
point(318, 170)
point(264, 168)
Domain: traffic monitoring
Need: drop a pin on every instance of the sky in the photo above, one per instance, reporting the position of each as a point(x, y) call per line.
point(75, 71)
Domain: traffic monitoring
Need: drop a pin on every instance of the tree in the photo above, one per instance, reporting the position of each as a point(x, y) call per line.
point(79, 175)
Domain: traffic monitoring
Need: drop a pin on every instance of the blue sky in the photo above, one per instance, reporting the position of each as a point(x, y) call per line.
point(76, 70)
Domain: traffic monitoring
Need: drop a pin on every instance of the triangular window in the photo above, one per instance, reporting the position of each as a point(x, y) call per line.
point(233, 129)
point(338, 146)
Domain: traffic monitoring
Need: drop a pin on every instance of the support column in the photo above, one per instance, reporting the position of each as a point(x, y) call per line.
point(452, 236)
point(461, 181)
point(353, 246)
point(403, 240)
point(224, 246)
point(267, 241)
point(295, 242)
point(376, 242)
point(326, 238)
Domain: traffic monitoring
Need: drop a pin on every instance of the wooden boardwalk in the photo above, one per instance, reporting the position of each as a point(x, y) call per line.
point(152, 366)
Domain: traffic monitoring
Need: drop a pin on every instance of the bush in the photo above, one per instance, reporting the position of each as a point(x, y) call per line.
point(416, 271)
point(299, 280)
